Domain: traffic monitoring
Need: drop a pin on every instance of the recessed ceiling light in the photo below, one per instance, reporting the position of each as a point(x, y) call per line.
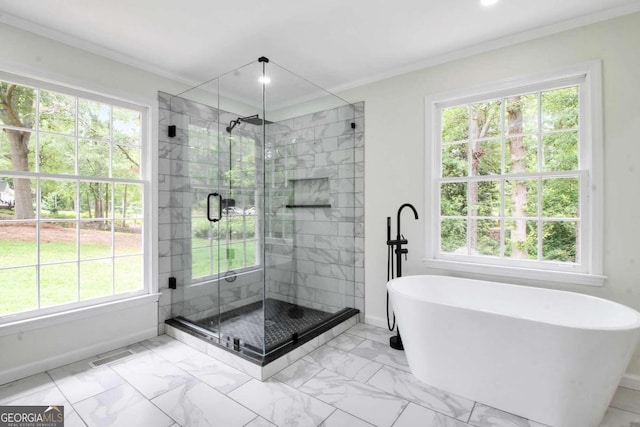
point(265, 80)
point(487, 3)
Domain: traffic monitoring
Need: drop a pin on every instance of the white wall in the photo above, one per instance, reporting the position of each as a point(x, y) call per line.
point(395, 133)
point(30, 347)
point(394, 156)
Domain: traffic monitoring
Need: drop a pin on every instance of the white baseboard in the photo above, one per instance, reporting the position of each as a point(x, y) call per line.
point(375, 321)
point(630, 381)
point(74, 355)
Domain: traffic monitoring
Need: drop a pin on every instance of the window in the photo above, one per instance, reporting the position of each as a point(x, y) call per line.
point(514, 178)
point(228, 168)
point(71, 198)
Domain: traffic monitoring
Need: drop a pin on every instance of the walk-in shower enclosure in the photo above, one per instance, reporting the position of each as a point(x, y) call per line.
point(263, 206)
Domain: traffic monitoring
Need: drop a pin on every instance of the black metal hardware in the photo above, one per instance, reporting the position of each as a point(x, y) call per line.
point(396, 341)
point(171, 131)
point(172, 283)
point(263, 59)
point(353, 125)
point(209, 207)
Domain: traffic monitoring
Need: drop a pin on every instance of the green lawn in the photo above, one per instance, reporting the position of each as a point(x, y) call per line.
point(62, 283)
point(202, 264)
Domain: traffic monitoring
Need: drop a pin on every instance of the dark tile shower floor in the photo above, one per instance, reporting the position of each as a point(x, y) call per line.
point(281, 320)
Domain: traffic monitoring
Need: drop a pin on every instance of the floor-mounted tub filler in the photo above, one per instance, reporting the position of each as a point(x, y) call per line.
point(550, 356)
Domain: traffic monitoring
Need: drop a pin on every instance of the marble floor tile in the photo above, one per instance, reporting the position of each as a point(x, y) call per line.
point(121, 406)
point(626, 399)
point(406, 386)
point(382, 353)
point(298, 373)
point(169, 348)
point(151, 374)
point(29, 385)
point(345, 342)
point(213, 372)
point(259, 422)
point(415, 415)
point(372, 333)
point(486, 416)
point(281, 404)
point(80, 380)
point(51, 396)
point(360, 400)
point(73, 419)
point(197, 404)
point(343, 363)
point(342, 419)
point(619, 418)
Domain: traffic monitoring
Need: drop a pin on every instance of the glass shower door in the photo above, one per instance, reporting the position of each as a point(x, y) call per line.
point(241, 283)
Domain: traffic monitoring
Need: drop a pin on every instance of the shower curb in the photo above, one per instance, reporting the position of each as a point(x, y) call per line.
point(255, 369)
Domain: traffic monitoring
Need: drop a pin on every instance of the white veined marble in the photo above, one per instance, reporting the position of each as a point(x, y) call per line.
point(213, 372)
point(358, 399)
point(169, 348)
point(486, 416)
point(121, 406)
point(281, 404)
point(343, 363)
point(197, 404)
point(406, 386)
point(382, 353)
point(151, 374)
point(298, 373)
point(260, 422)
point(372, 333)
point(415, 415)
point(342, 419)
point(80, 380)
point(29, 385)
point(345, 342)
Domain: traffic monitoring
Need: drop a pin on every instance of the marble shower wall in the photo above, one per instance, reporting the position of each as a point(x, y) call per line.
point(315, 247)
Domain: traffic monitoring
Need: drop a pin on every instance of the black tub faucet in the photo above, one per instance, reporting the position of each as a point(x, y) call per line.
point(400, 240)
point(396, 341)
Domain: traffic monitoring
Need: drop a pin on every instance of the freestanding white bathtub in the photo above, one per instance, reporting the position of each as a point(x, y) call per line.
point(550, 356)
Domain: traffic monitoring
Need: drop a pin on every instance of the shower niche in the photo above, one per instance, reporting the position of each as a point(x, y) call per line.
point(263, 209)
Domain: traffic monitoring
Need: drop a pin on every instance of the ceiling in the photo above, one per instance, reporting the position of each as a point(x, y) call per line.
point(336, 44)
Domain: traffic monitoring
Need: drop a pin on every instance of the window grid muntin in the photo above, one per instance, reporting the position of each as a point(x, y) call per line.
point(580, 174)
point(237, 162)
point(36, 176)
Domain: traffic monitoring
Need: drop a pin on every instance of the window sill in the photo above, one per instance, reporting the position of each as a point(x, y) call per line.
point(560, 277)
point(47, 320)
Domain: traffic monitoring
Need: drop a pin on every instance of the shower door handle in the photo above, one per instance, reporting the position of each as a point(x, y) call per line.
point(209, 207)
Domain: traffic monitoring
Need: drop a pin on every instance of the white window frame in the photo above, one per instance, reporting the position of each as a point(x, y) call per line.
point(588, 76)
point(82, 308)
point(224, 244)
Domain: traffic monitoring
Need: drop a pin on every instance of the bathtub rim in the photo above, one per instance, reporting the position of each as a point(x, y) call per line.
point(392, 287)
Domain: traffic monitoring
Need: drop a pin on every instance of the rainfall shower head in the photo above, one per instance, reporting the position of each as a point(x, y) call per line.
point(252, 120)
